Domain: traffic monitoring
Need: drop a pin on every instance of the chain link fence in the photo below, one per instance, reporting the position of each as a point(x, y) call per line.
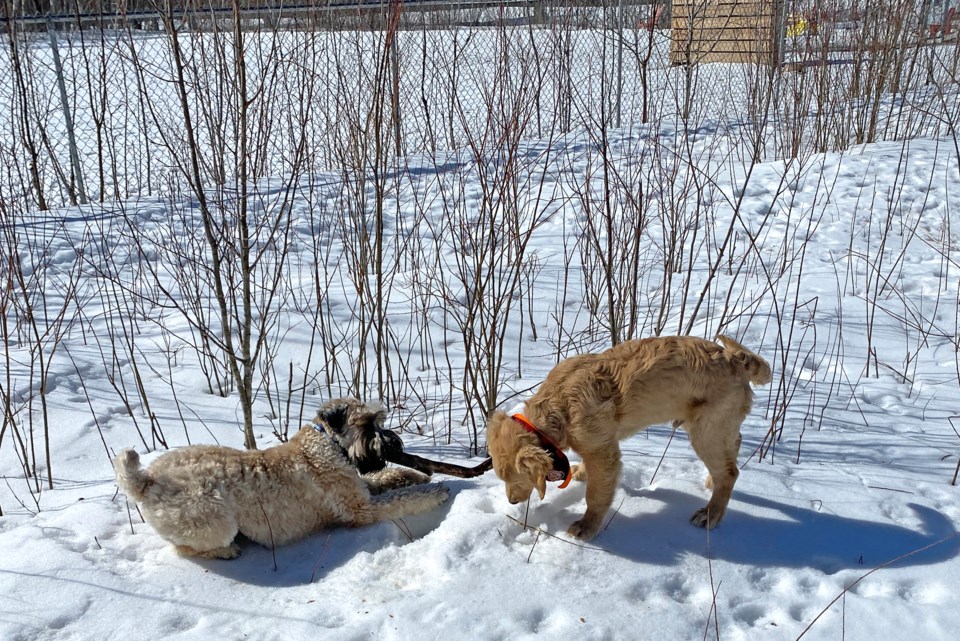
point(95, 97)
point(98, 101)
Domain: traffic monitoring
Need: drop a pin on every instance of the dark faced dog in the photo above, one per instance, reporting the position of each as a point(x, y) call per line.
point(358, 428)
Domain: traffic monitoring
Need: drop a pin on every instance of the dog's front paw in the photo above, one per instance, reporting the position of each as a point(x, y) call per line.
point(413, 477)
point(584, 529)
point(441, 492)
point(705, 519)
point(392, 478)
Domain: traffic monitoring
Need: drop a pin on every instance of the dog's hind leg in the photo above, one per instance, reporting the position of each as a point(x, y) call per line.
point(211, 540)
point(578, 472)
point(393, 504)
point(717, 446)
point(201, 528)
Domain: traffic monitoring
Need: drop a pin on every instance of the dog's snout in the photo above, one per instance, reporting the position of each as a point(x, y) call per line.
point(513, 501)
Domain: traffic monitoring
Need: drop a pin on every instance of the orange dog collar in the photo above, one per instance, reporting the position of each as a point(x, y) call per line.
point(561, 464)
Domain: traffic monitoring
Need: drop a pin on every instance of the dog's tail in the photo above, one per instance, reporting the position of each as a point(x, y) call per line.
point(131, 478)
point(756, 369)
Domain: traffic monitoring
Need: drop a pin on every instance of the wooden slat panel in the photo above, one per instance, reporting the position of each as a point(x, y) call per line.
point(755, 57)
point(745, 57)
point(729, 45)
point(725, 31)
point(722, 5)
point(713, 3)
point(721, 23)
point(710, 35)
point(742, 8)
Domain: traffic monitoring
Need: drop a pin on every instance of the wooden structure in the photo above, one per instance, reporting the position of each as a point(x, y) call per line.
point(726, 31)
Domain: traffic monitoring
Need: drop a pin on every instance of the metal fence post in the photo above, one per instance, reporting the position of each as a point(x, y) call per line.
point(67, 116)
point(393, 34)
point(395, 91)
point(620, 37)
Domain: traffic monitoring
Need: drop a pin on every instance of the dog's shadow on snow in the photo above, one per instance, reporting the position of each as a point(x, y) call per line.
point(780, 536)
point(310, 560)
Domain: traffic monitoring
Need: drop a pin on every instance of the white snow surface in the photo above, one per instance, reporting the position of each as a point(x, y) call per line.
point(868, 482)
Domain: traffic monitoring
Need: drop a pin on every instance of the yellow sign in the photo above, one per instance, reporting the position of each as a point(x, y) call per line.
point(796, 25)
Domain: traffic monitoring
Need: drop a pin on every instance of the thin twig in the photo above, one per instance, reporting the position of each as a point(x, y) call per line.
point(404, 528)
point(554, 536)
point(957, 471)
point(714, 591)
point(273, 547)
point(843, 617)
point(615, 512)
point(662, 456)
point(129, 516)
point(863, 576)
point(889, 489)
point(534, 546)
point(323, 552)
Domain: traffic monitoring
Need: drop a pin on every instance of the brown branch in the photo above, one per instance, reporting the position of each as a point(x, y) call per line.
point(437, 467)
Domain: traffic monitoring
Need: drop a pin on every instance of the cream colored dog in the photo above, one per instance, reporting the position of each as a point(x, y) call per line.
point(589, 402)
point(201, 496)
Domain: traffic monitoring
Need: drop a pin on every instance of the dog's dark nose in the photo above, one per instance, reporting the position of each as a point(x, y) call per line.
point(513, 501)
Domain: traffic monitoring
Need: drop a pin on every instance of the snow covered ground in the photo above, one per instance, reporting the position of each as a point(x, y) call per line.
point(842, 256)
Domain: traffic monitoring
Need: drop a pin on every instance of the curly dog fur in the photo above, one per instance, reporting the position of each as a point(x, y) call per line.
point(200, 497)
point(590, 402)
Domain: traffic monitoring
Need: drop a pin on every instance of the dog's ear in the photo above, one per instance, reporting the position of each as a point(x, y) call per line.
point(335, 413)
point(371, 445)
point(534, 463)
point(367, 417)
